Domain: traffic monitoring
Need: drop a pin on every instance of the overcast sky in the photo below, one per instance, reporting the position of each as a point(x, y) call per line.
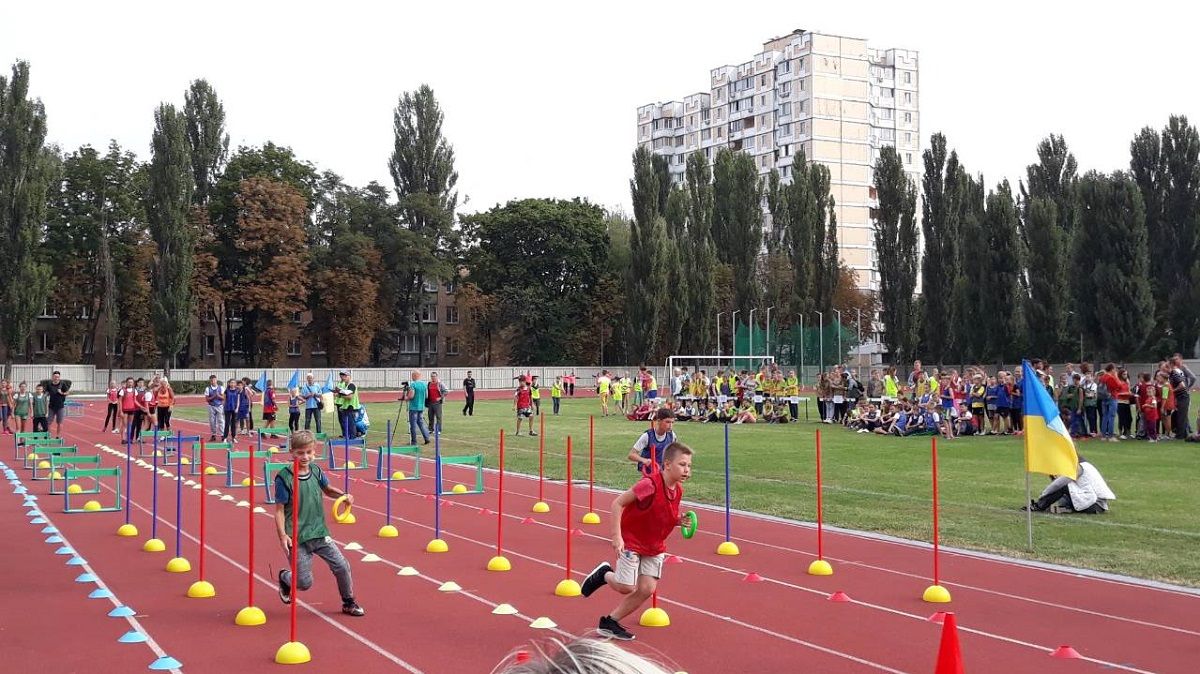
point(540, 98)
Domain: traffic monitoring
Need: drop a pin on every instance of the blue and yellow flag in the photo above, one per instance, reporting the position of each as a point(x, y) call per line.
point(1048, 445)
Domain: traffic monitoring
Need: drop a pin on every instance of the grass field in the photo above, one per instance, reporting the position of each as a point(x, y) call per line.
point(880, 484)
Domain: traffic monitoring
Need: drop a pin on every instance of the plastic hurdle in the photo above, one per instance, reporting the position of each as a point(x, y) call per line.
point(43, 455)
point(20, 439)
point(59, 484)
point(344, 448)
point(381, 469)
point(475, 460)
point(176, 443)
point(73, 409)
point(230, 457)
point(146, 439)
point(198, 459)
point(270, 469)
point(33, 445)
point(98, 474)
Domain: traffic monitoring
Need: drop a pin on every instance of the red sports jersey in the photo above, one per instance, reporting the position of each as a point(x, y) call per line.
point(524, 398)
point(646, 523)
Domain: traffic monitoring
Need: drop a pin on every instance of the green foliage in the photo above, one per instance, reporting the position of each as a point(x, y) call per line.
point(896, 252)
point(206, 137)
point(27, 169)
point(738, 222)
point(543, 260)
point(170, 194)
point(944, 187)
point(1002, 313)
point(649, 270)
point(701, 259)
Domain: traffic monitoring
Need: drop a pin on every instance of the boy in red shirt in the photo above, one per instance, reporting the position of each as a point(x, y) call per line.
point(523, 404)
point(639, 537)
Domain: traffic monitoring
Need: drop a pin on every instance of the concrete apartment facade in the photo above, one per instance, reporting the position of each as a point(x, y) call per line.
point(835, 97)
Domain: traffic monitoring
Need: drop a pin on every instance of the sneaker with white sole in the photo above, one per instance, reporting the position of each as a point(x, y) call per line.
point(285, 590)
point(595, 579)
point(611, 628)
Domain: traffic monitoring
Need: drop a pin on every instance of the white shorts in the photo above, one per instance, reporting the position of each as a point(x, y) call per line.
point(630, 565)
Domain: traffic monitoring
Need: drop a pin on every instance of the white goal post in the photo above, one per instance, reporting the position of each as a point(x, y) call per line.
point(711, 364)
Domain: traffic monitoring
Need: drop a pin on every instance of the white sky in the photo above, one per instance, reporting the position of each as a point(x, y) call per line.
point(540, 97)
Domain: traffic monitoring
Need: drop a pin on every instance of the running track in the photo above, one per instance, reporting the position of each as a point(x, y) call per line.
point(1010, 614)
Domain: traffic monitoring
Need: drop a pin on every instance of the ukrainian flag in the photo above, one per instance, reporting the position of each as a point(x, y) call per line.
point(1048, 445)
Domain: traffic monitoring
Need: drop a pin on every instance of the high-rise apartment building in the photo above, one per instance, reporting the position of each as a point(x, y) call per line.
point(834, 97)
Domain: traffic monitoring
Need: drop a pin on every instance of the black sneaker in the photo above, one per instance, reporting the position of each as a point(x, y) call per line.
point(595, 579)
point(285, 590)
point(352, 608)
point(611, 628)
point(533, 433)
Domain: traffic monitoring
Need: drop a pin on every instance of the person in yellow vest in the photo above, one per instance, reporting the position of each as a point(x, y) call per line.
point(793, 393)
point(345, 399)
point(535, 392)
point(603, 386)
point(619, 389)
point(637, 391)
point(556, 391)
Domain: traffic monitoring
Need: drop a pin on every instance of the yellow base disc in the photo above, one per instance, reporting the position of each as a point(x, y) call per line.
point(201, 589)
point(654, 617)
point(437, 545)
point(127, 530)
point(91, 506)
point(398, 475)
point(541, 507)
point(74, 489)
point(728, 548)
point(459, 489)
point(567, 588)
point(32, 456)
point(591, 518)
point(251, 616)
point(43, 464)
point(499, 563)
point(245, 482)
point(185, 461)
point(820, 567)
point(388, 531)
point(179, 565)
point(154, 545)
point(349, 519)
point(351, 465)
point(293, 653)
point(56, 475)
point(936, 594)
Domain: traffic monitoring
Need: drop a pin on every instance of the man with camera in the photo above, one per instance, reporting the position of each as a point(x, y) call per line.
point(415, 393)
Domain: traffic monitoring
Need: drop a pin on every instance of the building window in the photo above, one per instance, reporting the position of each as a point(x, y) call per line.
point(451, 346)
point(803, 128)
point(451, 287)
point(908, 118)
point(785, 109)
point(429, 286)
point(907, 157)
point(431, 344)
point(48, 311)
point(317, 348)
point(410, 344)
point(429, 313)
point(293, 347)
point(43, 343)
point(908, 78)
point(210, 345)
point(908, 97)
point(908, 138)
point(451, 315)
point(801, 84)
point(802, 106)
point(296, 317)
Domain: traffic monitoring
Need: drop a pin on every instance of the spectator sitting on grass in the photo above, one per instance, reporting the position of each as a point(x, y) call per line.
point(1088, 493)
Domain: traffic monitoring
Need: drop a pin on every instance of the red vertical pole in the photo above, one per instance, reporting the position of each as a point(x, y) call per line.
point(935, 511)
point(203, 494)
point(591, 463)
point(500, 502)
point(541, 457)
point(295, 537)
point(568, 528)
point(250, 563)
point(820, 516)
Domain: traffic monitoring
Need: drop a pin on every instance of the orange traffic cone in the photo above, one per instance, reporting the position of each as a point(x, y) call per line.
point(949, 659)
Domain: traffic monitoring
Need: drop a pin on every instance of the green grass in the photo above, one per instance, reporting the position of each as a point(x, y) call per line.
point(881, 484)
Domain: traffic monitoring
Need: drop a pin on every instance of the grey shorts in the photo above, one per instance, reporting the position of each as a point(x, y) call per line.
point(630, 565)
point(58, 415)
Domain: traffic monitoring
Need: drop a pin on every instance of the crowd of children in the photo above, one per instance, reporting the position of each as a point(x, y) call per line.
point(745, 397)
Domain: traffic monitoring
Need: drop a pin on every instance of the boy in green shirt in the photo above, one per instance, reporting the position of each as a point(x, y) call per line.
point(41, 407)
point(22, 401)
point(556, 392)
point(313, 536)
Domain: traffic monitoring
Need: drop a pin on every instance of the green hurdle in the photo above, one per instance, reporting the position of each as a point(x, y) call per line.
point(68, 461)
point(273, 430)
point(20, 439)
point(475, 460)
point(98, 474)
point(198, 460)
point(337, 448)
point(406, 450)
point(235, 455)
point(44, 453)
point(146, 439)
point(270, 469)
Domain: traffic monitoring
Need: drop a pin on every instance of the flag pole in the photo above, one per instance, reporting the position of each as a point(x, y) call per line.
point(1025, 444)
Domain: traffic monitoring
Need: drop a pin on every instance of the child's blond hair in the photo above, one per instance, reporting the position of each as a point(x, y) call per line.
point(301, 440)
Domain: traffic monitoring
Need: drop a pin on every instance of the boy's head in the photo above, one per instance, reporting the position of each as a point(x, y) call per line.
point(141, 382)
point(302, 445)
point(212, 380)
point(677, 462)
point(129, 382)
point(23, 387)
point(38, 389)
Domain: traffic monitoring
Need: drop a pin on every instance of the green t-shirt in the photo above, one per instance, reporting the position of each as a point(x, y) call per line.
point(21, 402)
point(40, 405)
point(312, 507)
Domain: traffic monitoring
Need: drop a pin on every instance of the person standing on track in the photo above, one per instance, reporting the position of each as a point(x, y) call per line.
point(437, 396)
point(417, 392)
point(114, 410)
point(469, 388)
point(214, 397)
point(640, 538)
point(523, 405)
point(58, 389)
point(311, 392)
point(658, 438)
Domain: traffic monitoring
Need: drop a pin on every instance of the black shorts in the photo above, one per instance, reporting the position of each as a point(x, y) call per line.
point(1003, 412)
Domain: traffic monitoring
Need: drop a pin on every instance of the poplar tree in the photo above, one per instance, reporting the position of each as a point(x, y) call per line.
point(896, 252)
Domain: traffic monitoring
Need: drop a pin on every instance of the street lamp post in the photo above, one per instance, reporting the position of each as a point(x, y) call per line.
point(839, 327)
point(801, 347)
point(719, 314)
point(860, 344)
point(821, 333)
point(751, 346)
point(733, 338)
point(769, 331)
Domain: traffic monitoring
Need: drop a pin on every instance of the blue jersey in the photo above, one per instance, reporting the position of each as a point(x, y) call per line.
point(659, 447)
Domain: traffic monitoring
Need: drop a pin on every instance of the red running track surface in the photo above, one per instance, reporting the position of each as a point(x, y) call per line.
point(1011, 615)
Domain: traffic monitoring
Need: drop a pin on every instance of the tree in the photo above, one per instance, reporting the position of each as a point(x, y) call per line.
point(543, 260)
point(422, 169)
point(896, 252)
point(206, 137)
point(799, 239)
point(827, 263)
point(648, 273)
point(972, 284)
point(943, 187)
point(27, 170)
point(737, 222)
point(1110, 276)
point(1049, 205)
point(855, 304)
point(702, 259)
point(678, 249)
point(1002, 316)
point(167, 201)
point(271, 247)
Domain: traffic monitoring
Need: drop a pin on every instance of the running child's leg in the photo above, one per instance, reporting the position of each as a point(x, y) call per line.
point(339, 566)
point(304, 578)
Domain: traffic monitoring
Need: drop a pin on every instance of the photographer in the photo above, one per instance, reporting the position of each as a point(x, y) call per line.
point(416, 394)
